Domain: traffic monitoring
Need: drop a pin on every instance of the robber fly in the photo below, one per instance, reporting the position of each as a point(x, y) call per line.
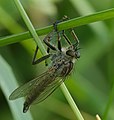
point(61, 65)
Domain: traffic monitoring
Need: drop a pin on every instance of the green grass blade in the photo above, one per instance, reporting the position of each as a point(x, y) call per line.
point(71, 102)
point(8, 84)
point(98, 16)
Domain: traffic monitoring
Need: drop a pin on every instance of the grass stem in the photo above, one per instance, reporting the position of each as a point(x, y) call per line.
point(41, 47)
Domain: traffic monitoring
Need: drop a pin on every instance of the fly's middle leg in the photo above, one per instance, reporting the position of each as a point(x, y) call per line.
point(47, 42)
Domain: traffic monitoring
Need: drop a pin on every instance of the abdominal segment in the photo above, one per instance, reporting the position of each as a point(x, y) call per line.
point(36, 92)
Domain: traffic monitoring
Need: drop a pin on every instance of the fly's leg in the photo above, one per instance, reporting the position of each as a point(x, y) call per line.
point(34, 61)
point(34, 57)
point(63, 32)
point(48, 37)
point(48, 49)
point(75, 36)
point(49, 45)
point(47, 42)
point(72, 31)
point(66, 38)
point(59, 43)
point(58, 34)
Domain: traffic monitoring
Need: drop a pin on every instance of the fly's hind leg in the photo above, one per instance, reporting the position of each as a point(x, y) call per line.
point(34, 57)
point(36, 61)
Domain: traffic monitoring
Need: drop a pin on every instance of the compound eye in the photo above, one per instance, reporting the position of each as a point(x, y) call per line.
point(77, 54)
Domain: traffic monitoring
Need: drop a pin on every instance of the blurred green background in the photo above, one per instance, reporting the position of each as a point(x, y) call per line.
point(91, 82)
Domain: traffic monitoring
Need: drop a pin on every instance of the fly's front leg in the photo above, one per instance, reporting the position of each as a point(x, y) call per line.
point(63, 31)
point(66, 38)
point(36, 61)
point(72, 32)
point(74, 36)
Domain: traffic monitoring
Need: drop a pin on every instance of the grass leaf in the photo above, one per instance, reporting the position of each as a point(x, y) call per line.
point(8, 83)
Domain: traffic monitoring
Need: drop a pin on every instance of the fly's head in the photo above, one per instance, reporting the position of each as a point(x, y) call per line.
point(73, 51)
